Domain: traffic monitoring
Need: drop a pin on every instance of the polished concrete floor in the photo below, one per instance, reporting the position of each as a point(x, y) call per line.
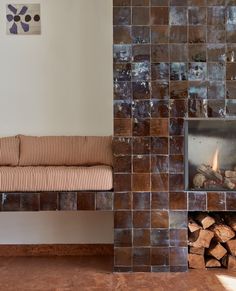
point(95, 273)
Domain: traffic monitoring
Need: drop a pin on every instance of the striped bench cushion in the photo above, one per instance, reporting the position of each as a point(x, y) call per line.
point(16, 179)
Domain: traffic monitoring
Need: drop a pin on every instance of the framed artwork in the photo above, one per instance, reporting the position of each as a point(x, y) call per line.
point(23, 19)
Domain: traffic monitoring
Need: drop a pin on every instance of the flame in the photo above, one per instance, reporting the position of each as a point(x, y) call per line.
point(215, 163)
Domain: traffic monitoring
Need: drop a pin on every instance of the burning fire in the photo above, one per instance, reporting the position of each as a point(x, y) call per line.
point(215, 163)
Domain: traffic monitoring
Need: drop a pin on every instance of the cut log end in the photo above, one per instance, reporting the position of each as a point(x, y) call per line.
point(196, 261)
point(212, 263)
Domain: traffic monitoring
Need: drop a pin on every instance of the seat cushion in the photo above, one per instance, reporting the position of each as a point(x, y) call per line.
point(65, 150)
point(9, 151)
point(16, 179)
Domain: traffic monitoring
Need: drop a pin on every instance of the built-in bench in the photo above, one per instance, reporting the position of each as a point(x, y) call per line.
point(56, 173)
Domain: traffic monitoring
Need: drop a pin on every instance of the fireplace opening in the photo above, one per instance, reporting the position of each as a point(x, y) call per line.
point(210, 155)
point(211, 240)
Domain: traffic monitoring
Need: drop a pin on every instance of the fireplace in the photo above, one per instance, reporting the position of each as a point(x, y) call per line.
point(210, 155)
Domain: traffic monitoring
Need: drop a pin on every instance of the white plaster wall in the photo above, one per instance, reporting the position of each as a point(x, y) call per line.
point(58, 83)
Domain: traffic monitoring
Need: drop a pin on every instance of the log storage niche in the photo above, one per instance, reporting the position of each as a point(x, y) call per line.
point(212, 240)
point(210, 155)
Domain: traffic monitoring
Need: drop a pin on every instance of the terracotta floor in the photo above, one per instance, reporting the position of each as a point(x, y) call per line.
point(84, 273)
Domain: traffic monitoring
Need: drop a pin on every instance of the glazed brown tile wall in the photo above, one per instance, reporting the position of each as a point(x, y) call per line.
point(173, 59)
point(50, 201)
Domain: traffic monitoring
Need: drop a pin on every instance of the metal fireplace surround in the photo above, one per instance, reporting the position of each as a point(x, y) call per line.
point(173, 60)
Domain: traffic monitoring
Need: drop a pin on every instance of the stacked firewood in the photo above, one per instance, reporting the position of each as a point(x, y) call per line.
point(212, 241)
point(207, 178)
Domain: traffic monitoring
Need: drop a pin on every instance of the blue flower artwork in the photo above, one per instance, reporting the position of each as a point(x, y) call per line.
point(23, 19)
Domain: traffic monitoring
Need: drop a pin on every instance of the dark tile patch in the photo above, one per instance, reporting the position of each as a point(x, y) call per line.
point(177, 145)
point(159, 145)
point(178, 53)
point(231, 108)
point(160, 90)
point(159, 34)
point(122, 164)
point(178, 201)
point(48, 201)
point(123, 257)
point(160, 237)
point(122, 182)
point(197, 201)
point(178, 89)
point(123, 219)
point(122, 201)
point(178, 237)
point(199, 90)
point(121, 146)
point(159, 182)
point(29, 201)
point(160, 256)
point(141, 90)
point(231, 201)
point(141, 164)
point(10, 201)
point(121, 16)
point(178, 256)
point(122, 34)
point(141, 237)
point(140, 34)
point(104, 201)
point(141, 219)
point(141, 182)
point(140, 16)
point(122, 53)
point(141, 256)
point(197, 108)
point(141, 200)
point(178, 219)
point(159, 164)
point(216, 108)
point(122, 109)
point(231, 89)
point(159, 108)
point(141, 145)
point(122, 238)
point(141, 53)
point(68, 200)
point(159, 219)
point(216, 201)
point(159, 15)
point(122, 91)
point(160, 200)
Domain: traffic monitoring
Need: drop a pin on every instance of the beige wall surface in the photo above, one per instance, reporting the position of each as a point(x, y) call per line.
point(58, 83)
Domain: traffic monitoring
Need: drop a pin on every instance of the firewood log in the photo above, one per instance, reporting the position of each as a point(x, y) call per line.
point(198, 180)
point(222, 232)
point(197, 251)
point(209, 173)
point(228, 184)
point(233, 180)
point(217, 251)
point(224, 261)
point(212, 263)
point(231, 221)
point(231, 246)
point(193, 236)
point(193, 226)
point(196, 261)
point(229, 262)
point(205, 220)
point(204, 239)
point(230, 174)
